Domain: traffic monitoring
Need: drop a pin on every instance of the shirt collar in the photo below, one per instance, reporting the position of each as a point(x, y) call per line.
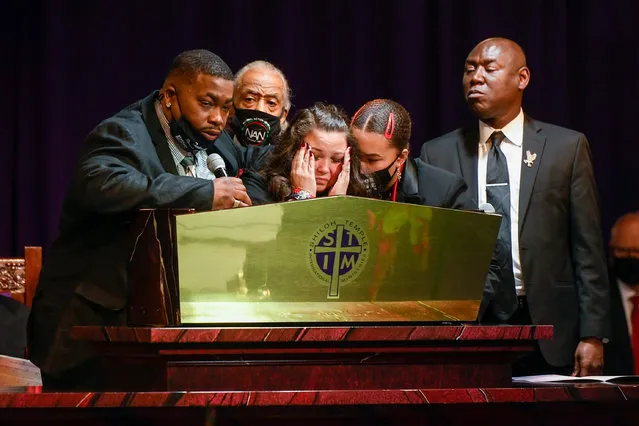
point(176, 151)
point(514, 131)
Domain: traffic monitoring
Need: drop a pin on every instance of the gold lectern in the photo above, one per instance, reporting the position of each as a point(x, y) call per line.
point(327, 260)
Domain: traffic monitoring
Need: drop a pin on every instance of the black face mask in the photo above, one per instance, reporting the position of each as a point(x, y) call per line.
point(626, 269)
point(377, 183)
point(253, 127)
point(189, 138)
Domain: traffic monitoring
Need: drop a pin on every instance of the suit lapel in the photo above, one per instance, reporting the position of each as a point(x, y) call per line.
point(534, 143)
point(157, 134)
point(467, 149)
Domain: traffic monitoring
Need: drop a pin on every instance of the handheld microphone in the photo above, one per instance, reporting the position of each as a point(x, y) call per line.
point(216, 165)
point(487, 208)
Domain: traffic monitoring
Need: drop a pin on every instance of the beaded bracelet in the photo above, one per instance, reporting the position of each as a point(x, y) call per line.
point(299, 194)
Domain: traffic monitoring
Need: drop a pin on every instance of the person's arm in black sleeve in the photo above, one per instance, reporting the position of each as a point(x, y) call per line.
point(109, 178)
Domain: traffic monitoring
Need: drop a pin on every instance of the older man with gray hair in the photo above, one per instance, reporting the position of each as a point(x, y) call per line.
point(262, 101)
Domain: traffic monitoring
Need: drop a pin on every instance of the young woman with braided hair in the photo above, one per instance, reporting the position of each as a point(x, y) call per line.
point(382, 129)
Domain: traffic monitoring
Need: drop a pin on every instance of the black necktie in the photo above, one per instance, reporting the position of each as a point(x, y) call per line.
point(187, 163)
point(498, 194)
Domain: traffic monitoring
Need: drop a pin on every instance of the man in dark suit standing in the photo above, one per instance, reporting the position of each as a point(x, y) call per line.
point(151, 154)
point(540, 178)
point(622, 353)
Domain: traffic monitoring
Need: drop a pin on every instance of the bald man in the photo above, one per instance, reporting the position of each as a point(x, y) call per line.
point(623, 351)
point(550, 265)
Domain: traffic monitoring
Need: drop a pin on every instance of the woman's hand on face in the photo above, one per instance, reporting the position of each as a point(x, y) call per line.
point(303, 170)
point(341, 184)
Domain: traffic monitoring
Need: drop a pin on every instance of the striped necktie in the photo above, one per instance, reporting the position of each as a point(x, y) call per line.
point(189, 165)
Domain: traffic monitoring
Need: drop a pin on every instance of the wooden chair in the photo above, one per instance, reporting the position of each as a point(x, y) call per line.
point(19, 276)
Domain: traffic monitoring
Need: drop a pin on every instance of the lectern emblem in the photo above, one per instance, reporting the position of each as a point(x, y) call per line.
point(338, 251)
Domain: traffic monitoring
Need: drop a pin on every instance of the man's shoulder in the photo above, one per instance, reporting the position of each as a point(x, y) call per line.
point(132, 117)
point(429, 172)
point(448, 140)
point(554, 131)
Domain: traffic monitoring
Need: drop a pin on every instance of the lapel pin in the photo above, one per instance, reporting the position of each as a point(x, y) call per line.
point(530, 158)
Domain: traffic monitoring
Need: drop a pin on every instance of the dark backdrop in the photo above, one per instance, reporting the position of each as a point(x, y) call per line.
point(69, 64)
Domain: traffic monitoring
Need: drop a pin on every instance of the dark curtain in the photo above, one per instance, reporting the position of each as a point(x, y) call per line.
point(69, 64)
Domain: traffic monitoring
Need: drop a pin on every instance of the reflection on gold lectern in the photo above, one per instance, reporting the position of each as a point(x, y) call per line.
point(334, 259)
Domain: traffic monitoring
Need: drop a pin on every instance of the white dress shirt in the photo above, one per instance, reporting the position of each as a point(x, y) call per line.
point(627, 293)
point(512, 149)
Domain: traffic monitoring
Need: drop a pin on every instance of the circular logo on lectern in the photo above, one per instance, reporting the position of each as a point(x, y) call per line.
point(337, 253)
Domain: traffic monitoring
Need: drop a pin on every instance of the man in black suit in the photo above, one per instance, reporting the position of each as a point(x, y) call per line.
point(151, 154)
point(622, 353)
point(540, 178)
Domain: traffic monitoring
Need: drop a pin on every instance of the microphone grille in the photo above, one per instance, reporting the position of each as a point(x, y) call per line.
point(214, 162)
point(487, 208)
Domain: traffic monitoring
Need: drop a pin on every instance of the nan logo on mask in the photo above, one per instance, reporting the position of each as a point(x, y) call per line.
point(253, 127)
point(337, 254)
point(255, 131)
